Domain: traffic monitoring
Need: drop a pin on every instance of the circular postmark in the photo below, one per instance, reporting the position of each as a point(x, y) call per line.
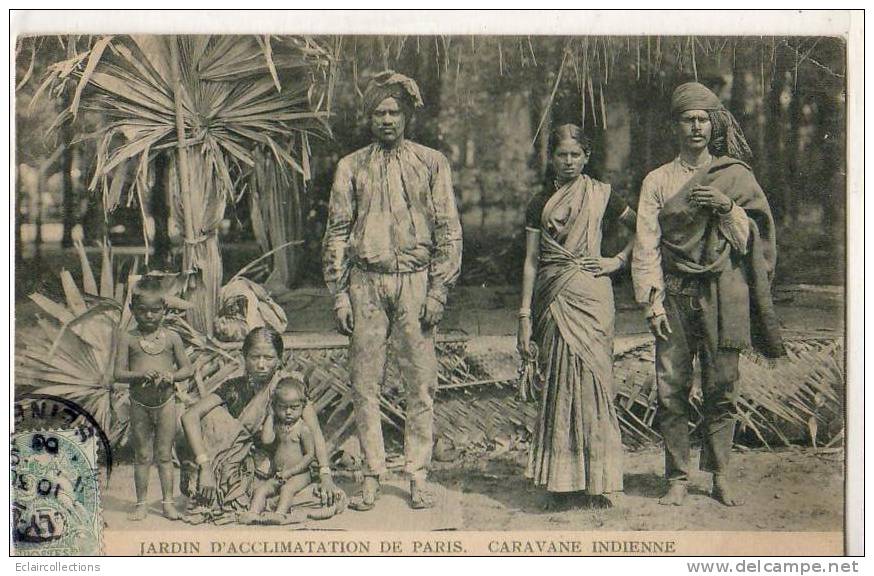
point(55, 494)
point(40, 412)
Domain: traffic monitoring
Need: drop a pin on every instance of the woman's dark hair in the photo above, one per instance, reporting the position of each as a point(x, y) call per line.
point(264, 333)
point(569, 132)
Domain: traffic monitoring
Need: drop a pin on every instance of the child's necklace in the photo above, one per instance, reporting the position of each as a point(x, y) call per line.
point(154, 343)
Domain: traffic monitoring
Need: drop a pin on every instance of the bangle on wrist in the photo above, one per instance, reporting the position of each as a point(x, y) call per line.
point(525, 313)
point(324, 470)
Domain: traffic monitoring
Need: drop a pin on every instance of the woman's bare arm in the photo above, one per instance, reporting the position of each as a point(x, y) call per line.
point(529, 269)
point(191, 423)
point(268, 434)
point(629, 219)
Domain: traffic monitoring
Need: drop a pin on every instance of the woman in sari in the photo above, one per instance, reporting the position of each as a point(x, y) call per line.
point(567, 310)
point(222, 430)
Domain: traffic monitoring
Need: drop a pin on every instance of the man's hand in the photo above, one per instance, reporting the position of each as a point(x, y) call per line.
point(710, 198)
point(345, 320)
point(659, 326)
point(601, 266)
point(432, 312)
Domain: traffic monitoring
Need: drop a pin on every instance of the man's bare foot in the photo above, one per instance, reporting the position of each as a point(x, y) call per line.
point(723, 492)
point(676, 494)
point(139, 512)
point(421, 497)
point(170, 511)
point(369, 495)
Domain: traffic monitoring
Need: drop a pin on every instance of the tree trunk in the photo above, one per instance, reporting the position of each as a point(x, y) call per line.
point(201, 252)
point(832, 177)
point(161, 214)
point(68, 188)
point(775, 152)
point(19, 196)
point(795, 179)
point(40, 187)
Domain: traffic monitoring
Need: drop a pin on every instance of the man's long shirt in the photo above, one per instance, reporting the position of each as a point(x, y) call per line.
point(393, 211)
point(658, 187)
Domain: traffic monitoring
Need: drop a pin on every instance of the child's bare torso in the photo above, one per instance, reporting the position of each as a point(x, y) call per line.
point(289, 445)
point(147, 353)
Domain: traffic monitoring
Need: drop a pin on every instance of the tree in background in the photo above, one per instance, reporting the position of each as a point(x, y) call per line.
point(216, 102)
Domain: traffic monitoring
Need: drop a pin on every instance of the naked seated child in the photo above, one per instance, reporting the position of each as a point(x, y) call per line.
point(292, 441)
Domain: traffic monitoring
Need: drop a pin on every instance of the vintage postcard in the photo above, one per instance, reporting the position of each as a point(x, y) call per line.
point(509, 283)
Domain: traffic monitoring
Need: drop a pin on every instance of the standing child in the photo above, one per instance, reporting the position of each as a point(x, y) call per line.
point(151, 358)
point(292, 441)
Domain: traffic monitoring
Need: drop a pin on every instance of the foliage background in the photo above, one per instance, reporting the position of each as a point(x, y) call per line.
point(489, 103)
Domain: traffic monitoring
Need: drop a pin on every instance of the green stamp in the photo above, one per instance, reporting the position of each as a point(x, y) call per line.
point(55, 494)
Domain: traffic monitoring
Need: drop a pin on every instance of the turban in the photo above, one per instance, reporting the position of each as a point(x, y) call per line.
point(693, 96)
point(728, 137)
point(390, 84)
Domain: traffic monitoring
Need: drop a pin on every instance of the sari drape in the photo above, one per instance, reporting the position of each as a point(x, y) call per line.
point(230, 443)
point(577, 444)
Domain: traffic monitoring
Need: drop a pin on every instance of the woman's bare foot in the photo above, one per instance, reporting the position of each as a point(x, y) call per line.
point(248, 517)
point(723, 492)
point(597, 502)
point(139, 512)
point(557, 501)
point(676, 494)
point(170, 511)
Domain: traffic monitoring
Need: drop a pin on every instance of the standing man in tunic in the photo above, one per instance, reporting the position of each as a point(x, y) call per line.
point(702, 267)
point(392, 249)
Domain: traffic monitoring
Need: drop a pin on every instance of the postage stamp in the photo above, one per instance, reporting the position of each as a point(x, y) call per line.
point(420, 283)
point(55, 494)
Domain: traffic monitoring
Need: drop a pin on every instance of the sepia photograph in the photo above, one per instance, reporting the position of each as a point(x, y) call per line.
point(357, 293)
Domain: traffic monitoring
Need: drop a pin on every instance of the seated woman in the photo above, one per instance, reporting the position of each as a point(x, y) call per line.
point(222, 430)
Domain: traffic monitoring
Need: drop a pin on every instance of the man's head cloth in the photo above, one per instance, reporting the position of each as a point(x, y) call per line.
point(390, 84)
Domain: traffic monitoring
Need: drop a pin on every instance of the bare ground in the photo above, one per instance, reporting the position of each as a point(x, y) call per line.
point(788, 490)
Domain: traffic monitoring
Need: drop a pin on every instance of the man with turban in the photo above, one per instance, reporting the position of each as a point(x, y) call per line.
point(703, 261)
point(392, 249)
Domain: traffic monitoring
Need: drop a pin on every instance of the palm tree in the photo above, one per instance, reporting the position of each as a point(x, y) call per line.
point(216, 101)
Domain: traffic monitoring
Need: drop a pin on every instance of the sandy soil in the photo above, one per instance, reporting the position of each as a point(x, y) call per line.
point(797, 490)
point(790, 490)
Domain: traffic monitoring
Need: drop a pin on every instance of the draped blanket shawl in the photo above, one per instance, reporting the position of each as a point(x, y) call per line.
point(735, 288)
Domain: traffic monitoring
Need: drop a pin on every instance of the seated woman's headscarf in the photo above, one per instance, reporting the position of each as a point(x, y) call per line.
point(728, 137)
point(390, 84)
